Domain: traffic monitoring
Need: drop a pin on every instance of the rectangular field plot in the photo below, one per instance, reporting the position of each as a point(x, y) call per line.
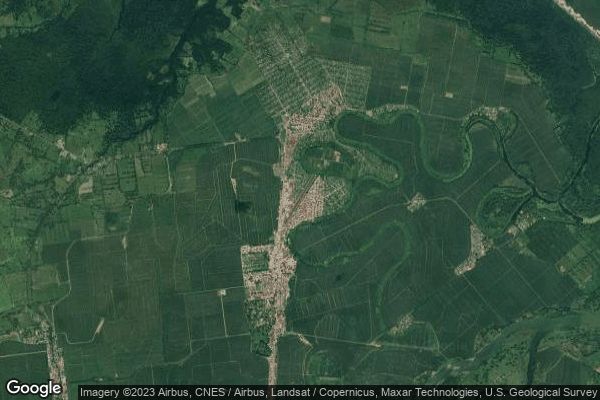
point(91, 296)
point(418, 74)
point(205, 316)
point(341, 314)
point(108, 296)
point(218, 266)
point(256, 199)
point(236, 197)
point(214, 361)
point(450, 105)
point(389, 78)
point(192, 125)
point(290, 371)
point(490, 82)
point(550, 241)
point(457, 313)
point(443, 146)
point(513, 284)
point(27, 363)
point(222, 116)
point(436, 36)
point(462, 73)
point(176, 340)
point(239, 116)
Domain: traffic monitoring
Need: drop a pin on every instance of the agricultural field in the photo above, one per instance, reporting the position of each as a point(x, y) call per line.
point(299, 192)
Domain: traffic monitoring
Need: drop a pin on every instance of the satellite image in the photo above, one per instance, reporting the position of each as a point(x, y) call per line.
point(290, 192)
